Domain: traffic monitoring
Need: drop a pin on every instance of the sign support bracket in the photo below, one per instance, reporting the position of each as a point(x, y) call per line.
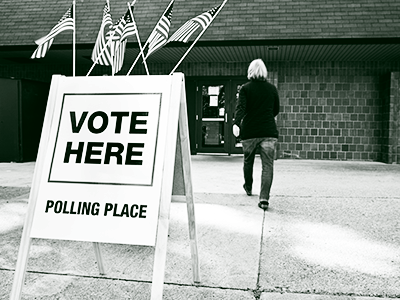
point(178, 136)
point(99, 258)
point(187, 178)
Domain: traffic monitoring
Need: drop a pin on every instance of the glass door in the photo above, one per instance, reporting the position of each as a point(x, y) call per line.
point(212, 118)
point(215, 103)
point(236, 143)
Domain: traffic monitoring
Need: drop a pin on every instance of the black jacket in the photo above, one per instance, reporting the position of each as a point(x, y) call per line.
point(257, 105)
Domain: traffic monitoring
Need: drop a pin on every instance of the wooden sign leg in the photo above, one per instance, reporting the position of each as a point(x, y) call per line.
point(23, 253)
point(20, 269)
point(160, 254)
point(187, 177)
point(99, 258)
point(166, 193)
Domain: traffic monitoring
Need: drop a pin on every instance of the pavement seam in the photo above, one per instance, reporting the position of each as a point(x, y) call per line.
point(197, 285)
point(347, 197)
point(257, 292)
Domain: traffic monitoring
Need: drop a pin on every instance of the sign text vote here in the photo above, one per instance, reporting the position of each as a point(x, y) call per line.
point(106, 139)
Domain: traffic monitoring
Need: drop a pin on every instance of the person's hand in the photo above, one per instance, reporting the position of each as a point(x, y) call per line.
point(236, 130)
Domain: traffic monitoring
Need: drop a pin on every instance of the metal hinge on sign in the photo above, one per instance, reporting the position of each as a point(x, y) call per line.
point(197, 88)
point(197, 146)
point(197, 117)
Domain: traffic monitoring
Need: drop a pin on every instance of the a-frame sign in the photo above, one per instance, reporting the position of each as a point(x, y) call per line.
point(114, 152)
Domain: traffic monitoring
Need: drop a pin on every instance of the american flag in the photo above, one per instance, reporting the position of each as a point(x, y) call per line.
point(159, 36)
point(104, 55)
point(124, 28)
point(67, 22)
point(186, 30)
point(119, 54)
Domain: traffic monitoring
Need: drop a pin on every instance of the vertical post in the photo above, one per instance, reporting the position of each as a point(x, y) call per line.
point(74, 41)
point(112, 51)
point(138, 38)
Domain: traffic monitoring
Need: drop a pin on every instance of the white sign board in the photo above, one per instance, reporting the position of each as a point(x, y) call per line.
point(102, 172)
point(113, 152)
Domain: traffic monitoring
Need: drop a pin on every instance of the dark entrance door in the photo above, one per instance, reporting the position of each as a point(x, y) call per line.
point(215, 111)
point(212, 133)
point(235, 144)
point(216, 103)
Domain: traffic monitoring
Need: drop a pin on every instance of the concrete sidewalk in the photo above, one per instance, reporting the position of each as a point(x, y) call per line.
point(332, 232)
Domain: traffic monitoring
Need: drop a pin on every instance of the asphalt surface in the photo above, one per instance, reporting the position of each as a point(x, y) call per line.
point(332, 233)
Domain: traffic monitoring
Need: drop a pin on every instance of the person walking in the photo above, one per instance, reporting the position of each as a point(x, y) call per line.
point(256, 109)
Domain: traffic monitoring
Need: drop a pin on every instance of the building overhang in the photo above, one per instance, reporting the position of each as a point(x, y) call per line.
point(376, 49)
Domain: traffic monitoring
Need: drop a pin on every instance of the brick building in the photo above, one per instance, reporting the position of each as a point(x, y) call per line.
point(336, 65)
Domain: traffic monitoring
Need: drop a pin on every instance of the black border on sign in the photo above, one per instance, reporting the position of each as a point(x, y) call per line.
point(105, 183)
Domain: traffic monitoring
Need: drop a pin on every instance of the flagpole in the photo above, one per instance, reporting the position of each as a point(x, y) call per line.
point(138, 56)
point(74, 40)
point(137, 37)
point(144, 47)
point(111, 43)
point(198, 37)
point(134, 63)
point(112, 51)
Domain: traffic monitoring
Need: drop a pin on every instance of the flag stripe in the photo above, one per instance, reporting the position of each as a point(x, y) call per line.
point(124, 28)
point(163, 27)
point(105, 57)
point(203, 19)
point(53, 34)
point(42, 49)
point(130, 29)
point(64, 25)
point(184, 33)
point(157, 41)
point(159, 36)
point(190, 31)
point(67, 22)
point(186, 30)
point(119, 56)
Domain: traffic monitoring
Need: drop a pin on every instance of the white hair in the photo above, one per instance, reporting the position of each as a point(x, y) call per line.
point(257, 70)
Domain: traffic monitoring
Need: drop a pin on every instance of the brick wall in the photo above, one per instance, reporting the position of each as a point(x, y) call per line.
point(329, 110)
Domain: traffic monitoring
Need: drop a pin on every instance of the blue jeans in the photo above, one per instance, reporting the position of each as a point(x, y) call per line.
point(267, 153)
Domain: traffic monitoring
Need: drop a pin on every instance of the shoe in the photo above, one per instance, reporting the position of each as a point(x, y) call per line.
point(263, 204)
point(248, 192)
